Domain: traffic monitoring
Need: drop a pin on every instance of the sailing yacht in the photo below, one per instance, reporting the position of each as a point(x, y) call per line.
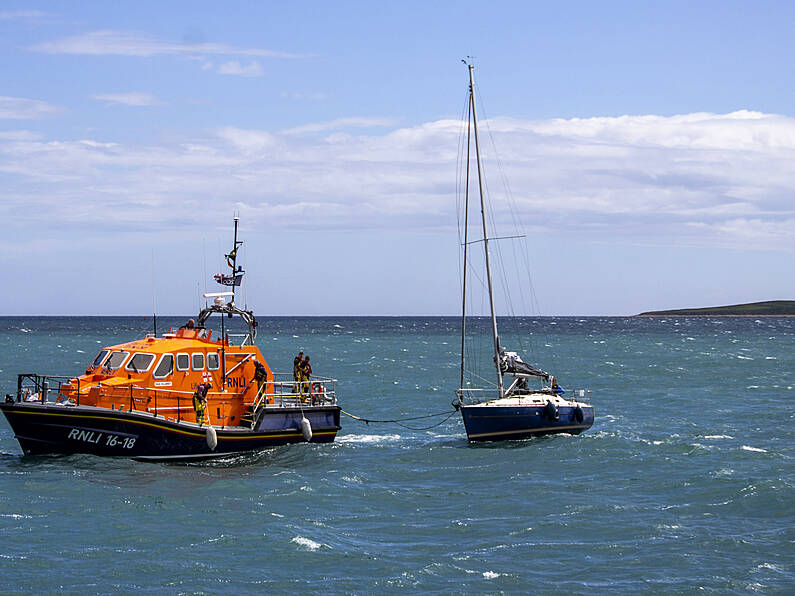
point(512, 409)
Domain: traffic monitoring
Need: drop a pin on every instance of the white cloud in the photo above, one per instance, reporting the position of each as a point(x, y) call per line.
point(19, 135)
point(19, 108)
point(233, 67)
point(131, 43)
point(133, 98)
point(341, 123)
point(739, 130)
point(708, 179)
point(24, 15)
point(248, 141)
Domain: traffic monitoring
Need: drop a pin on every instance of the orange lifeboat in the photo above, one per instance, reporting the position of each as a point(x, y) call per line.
point(186, 394)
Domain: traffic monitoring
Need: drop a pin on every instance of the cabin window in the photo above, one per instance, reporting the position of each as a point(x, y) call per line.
point(100, 357)
point(197, 361)
point(212, 361)
point(165, 367)
point(116, 360)
point(183, 362)
point(140, 362)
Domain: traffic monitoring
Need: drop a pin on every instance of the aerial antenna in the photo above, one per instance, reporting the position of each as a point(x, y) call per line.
point(154, 303)
point(204, 255)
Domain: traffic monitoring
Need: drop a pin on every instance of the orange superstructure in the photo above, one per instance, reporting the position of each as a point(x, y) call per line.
point(160, 375)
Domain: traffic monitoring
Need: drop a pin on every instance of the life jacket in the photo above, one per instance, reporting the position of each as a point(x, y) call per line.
point(199, 395)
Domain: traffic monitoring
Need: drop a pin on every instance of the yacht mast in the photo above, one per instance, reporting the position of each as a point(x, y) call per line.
point(485, 234)
point(466, 246)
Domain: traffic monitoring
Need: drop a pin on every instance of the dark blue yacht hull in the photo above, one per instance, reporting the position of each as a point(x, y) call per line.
point(498, 423)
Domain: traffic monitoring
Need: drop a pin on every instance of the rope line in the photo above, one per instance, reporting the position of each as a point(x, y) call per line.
point(399, 421)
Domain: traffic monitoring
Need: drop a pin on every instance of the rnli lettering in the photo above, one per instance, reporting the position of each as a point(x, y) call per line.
point(236, 382)
point(92, 436)
point(88, 436)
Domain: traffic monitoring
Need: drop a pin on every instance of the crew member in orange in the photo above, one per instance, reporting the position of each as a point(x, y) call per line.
point(306, 372)
point(260, 375)
point(297, 362)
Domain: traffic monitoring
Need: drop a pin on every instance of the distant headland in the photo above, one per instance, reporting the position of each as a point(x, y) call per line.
point(773, 308)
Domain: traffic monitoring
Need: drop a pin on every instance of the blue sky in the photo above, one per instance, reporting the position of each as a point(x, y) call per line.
point(649, 149)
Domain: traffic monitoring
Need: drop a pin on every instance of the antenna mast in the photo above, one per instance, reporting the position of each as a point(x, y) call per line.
point(232, 256)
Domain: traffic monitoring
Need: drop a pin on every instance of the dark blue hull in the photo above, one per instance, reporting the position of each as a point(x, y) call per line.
point(499, 423)
point(56, 429)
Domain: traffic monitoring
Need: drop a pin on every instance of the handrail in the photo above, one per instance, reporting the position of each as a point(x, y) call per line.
point(246, 338)
point(138, 398)
point(247, 357)
point(464, 393)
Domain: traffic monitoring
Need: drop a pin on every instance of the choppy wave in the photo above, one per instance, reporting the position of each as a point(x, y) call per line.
point(306, 543)
point(685, 482)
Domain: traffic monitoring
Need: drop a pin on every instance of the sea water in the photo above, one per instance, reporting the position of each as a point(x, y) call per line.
point(683, 485)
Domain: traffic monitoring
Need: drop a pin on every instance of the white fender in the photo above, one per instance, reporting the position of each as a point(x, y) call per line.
point(306, 428)
point(212, 438)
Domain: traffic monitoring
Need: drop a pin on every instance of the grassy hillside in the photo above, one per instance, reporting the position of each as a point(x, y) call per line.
point(754, 309)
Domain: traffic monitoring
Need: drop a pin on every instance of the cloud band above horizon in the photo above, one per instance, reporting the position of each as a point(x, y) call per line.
point(711, 179)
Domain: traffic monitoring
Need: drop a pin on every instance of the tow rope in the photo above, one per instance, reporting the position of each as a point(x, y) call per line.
point(399, 421)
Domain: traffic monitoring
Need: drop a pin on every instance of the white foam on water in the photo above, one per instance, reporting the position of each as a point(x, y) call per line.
point(718, 437)
point(723, 473)
point(276, 514)
point(754, 449)
point(337, 326)
point(490, 575)
point(367, 438)
point(306, 542)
